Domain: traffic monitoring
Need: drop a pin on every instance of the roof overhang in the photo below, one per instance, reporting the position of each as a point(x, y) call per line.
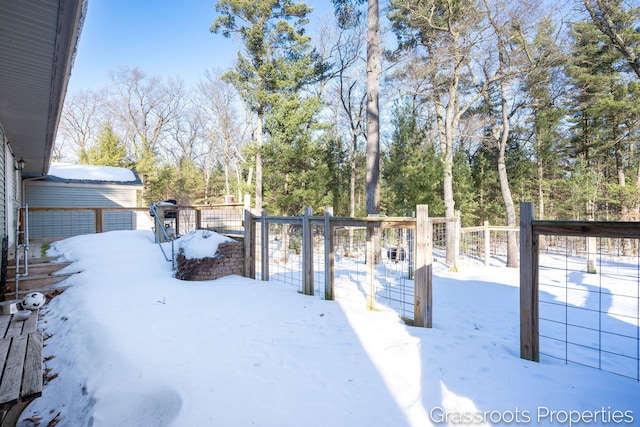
point(37, 48)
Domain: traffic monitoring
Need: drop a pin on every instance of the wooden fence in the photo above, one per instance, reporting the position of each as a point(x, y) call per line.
point(592, 291)
point(50, 224)
point(256, 239)
point(484, 243)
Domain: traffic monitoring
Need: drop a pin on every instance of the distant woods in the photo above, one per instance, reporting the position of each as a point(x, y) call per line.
point(483, 103)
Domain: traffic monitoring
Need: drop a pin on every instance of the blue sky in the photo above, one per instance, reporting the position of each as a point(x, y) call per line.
point(167, 38)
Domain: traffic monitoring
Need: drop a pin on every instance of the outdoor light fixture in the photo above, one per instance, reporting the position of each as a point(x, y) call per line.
point(20, 164)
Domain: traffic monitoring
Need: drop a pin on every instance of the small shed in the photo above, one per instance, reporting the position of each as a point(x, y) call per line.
point(73, 193)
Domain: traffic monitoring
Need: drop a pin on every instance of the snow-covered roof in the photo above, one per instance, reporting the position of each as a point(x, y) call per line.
point(91, 174)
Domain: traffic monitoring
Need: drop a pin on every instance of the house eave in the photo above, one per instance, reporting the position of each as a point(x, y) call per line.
point(37, 50)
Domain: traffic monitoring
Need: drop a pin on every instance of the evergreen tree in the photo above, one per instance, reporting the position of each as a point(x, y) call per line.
point(294, 167)
point(412, 172)
point(488, 198)
point(109, 149)
point(605, 112)
point(617, 20)
point(463, 190)
point(276, 59)
point(337, 181)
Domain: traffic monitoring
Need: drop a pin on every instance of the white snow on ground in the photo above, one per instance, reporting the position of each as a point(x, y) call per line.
point(132, 346)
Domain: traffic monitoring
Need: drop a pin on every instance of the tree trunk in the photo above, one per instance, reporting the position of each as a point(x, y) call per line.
point(227, 187)
point(540, 176)
point(352, 190)
point(448, 127)
point(373, 120)
point(259, 162)
point(512, 242)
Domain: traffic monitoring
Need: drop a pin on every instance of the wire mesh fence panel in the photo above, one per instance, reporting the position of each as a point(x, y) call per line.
point(61, 224)
point(472, 243)
point(285, 260)
point(350, 273)
point(187, 221)
point(225, 220)
point(439, 245)
point(119, 220)
point(142, 220)
point(258, 252)
point(499, 244)
point(396, 275)
point(318, 259)
point(589, 303)
point(439, 238)
point(391, 284)
point(478, 243)
point(384, 278)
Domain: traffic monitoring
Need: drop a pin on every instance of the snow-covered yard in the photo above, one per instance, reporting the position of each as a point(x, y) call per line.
point(129, 345)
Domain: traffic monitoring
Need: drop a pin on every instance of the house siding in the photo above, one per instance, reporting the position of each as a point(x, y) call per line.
point(62, 224)
point(48, 195)
point(3, 184)
point(4, 238)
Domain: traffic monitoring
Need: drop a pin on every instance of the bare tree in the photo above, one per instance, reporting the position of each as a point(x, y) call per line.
point(186, 134)
point(349, 89)
point(352, 96)
point(146, 108)
point(225, 133)
point(81, 118)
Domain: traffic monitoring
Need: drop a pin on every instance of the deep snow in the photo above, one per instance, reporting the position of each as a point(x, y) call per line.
point(132, 346)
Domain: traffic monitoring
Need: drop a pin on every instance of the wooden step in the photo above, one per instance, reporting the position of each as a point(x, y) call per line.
point(46, 284)
point(38, 268)
point(37, 260)
point(42, 278)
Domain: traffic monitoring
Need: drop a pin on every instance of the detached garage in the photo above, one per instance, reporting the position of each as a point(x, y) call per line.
point(77, 194)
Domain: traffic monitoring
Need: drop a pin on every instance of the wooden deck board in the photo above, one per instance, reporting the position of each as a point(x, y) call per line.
point(21, 369)
point(32, 378)
point(12, 372)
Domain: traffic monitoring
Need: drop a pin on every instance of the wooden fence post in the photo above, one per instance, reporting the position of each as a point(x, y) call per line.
point(159, 225)
point(99, 220)
point(487, 244)
point(529, 332)
point(411, 255)
point(370, 258)
point(456, 248)
point(424, 257)
point(264, 246)
point(249, 245)
point(307, 253)
point(329, 255)
point(198, 219)
point(591, 255)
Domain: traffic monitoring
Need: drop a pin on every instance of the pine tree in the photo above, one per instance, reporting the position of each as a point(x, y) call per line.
point(412, 172)
point(109, 149)
point(604, 118)
point(275, 64)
